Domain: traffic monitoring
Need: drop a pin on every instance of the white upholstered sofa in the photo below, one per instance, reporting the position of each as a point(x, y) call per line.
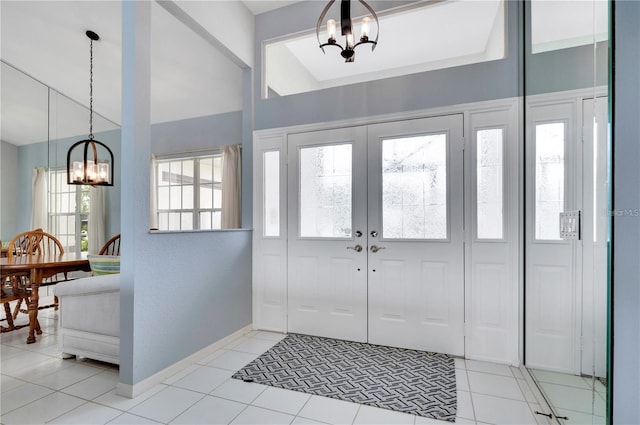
point(89, 317)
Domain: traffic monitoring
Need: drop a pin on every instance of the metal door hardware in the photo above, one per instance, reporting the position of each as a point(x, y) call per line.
point(356, 248)
point(375, 248)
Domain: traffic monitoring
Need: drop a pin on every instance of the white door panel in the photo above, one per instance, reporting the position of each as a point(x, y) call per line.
point(416, 281)
point(327, 282)
point(551, 280)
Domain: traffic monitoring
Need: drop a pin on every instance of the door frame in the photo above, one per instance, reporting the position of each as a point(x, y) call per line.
point(270, 256)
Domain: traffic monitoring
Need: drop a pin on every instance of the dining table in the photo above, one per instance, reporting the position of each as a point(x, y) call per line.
point(39, 267)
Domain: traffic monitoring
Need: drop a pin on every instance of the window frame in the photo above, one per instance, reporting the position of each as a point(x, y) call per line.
point(197, 209)
point(54, 191)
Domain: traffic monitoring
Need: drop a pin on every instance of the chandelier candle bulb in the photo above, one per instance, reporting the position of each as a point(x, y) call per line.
point(331, 30)
point(366, 27)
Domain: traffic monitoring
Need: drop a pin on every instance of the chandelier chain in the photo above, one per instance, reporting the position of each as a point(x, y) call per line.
point(91, 90)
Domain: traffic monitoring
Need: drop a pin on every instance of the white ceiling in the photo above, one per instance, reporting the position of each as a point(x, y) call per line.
point(46, 40)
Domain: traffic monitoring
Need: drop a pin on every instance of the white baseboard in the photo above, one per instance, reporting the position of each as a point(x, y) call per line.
point(132, 391)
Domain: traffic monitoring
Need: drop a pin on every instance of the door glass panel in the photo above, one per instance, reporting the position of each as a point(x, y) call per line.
point(414, 187)
point(549, 179)
point(489, 187)
point(326, 191)
point(271, 203)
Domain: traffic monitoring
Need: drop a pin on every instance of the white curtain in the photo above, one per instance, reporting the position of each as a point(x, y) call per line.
point(96, 231)
point(231, 186)
point(153, 201)
point(39, 211)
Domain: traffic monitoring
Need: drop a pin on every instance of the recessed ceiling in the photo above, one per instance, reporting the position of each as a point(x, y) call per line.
point(424, 36)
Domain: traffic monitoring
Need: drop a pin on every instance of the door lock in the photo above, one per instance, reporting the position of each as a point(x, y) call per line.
point(357, 248)
point(374, 233)
point(375, 248)
point(358, 234)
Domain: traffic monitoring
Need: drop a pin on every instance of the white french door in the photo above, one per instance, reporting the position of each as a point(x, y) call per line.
point(375, 247)
point(327, 290)
point(416, 260)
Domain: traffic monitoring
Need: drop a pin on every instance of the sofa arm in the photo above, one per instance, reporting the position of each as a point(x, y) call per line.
point(89, 285)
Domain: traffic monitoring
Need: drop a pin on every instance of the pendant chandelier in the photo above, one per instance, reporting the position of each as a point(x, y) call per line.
point(346, 24)
point(84, 166)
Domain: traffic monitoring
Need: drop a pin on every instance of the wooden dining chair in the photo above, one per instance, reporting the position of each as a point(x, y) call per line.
point(36, 242)
point(14, 288)
point(111, 247)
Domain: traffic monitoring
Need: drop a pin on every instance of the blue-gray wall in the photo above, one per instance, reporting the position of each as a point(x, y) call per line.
point(626, 201)
point(180, 292)
point(9, 191)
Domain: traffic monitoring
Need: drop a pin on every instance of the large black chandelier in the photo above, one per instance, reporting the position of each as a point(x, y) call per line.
point(87, 168)
point(346, 24)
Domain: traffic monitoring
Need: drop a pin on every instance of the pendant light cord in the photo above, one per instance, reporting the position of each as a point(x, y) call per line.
point(91, 90)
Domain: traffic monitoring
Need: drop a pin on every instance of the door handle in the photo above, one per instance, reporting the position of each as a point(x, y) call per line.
point(357, 248)
point(375, 248)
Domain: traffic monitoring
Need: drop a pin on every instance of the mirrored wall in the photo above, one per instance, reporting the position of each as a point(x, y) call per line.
point(567, 192)
point(39, 125)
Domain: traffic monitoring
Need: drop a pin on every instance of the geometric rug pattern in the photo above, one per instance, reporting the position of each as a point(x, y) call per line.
point(408, 381)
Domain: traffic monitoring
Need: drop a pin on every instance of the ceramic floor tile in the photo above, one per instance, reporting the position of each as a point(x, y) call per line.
point(129, 419)
point(8, 383)
point(67, 376)
point(493, 368)
point(304, 421)
point(94, 386)
point(254, 346)
point(270, 336)
point(27, 359)
point(572, 398)
point(500, 386)
point(20, 396)
point(462, 382)
point(329, 410)
point(256, 415)
point(235, 343)
point(421, 420)
point(282, 400)
point(47, 367)
point(232, 360)
point(86, 414)
point(43, 410)
point(7, 352)
point(579, 418)
point(560, 379)
point(497, 410)
point(184, 372)
point(204, 380)
point(167, 404)
point(212, 356)
point(465, 406)
point(116, 401)
point(374, 415)
point(236, 390)
point(459, 363)
point(210, 410)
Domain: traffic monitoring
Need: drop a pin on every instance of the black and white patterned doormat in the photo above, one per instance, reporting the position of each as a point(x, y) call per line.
point(408, 381)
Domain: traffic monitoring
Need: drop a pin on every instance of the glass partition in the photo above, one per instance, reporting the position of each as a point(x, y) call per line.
point(567, 160)
point(39, 125)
